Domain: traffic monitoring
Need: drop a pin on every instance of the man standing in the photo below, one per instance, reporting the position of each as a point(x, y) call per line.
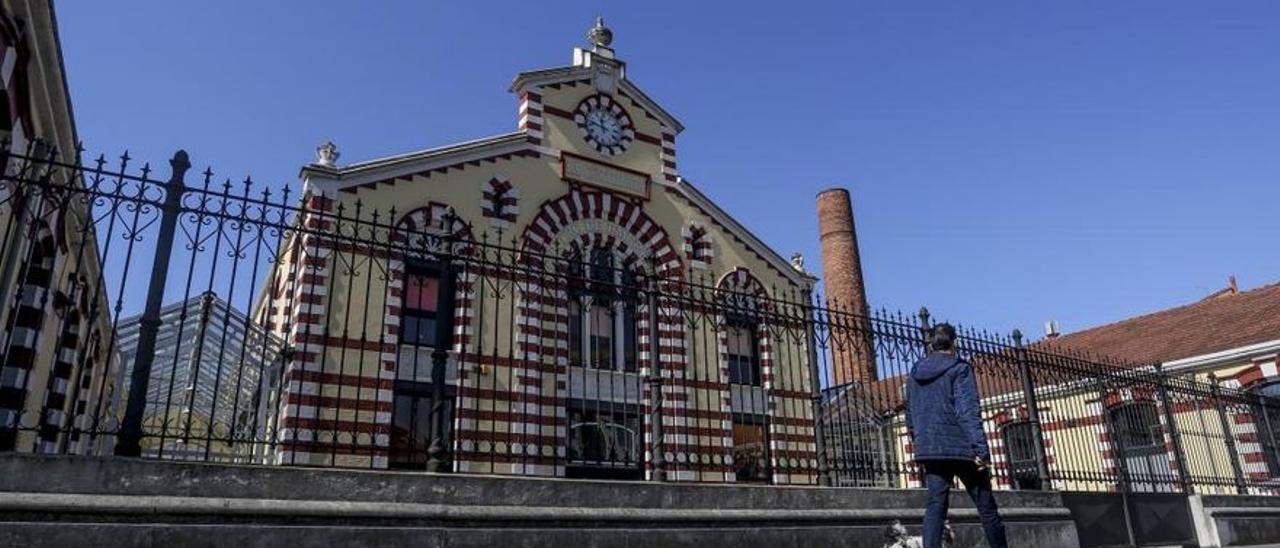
point(946, 428)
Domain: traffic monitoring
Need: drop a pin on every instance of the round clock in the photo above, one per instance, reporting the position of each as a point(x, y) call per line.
point(604, 124)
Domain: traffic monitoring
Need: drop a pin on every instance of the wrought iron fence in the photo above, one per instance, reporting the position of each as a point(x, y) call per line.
point(216, 321)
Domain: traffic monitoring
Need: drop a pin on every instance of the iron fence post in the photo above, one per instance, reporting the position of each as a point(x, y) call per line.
point(1174, 433)
point(440, 360)
point(1033, 412)
point(1121, 462)
point(924, 327)
point(655, 389)
point(810, 320)
point(1232, 453)
point(129, 443)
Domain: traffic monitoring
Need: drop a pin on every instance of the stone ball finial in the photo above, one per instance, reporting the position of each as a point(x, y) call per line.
point(600, 36)
point(327, 154)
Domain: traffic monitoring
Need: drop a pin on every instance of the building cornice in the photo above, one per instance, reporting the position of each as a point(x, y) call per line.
point(323, 179)
point(1231, 356)
point(691, 193)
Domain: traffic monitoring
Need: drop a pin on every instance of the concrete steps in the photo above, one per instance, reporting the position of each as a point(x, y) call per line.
point(74, 501)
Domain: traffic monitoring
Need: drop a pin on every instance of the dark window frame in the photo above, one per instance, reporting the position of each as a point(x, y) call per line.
point(1138, 438)
point(754, 364)
point(1266, 415)
point(414, 453)
point(584, 466)
point(444, 305)
point(764, 473)
point(607, 285)
point(1024, 470)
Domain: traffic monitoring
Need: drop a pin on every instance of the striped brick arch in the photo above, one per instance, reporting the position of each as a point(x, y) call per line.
point(429, 229)
point(568, 227)
point(741, 292)
point(429, 232)
point(562, 220)
point(425, 231)
point(13, 82)
point(25, 323)
point(792, 450)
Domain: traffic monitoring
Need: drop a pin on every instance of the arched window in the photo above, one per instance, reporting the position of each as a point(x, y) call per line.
point(602, 313)
point(1139, 440)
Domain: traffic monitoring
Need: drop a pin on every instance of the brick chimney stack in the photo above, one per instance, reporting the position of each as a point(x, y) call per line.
point(852, 358)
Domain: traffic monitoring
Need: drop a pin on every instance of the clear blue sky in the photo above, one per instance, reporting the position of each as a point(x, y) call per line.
point(1010, 161)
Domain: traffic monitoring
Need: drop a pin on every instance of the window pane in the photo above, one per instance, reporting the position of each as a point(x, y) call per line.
point(629, 348)
point(743, 355)
point(575, 332)
point(418, 330)
point(749, 456)
point(422, 292)
point(601, 265)
point(411, 429)
point(408, 432)
point(601, 336)
point(604, 439)
point(1138, 426)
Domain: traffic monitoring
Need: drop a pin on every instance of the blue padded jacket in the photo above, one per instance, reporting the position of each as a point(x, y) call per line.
point(943, 415)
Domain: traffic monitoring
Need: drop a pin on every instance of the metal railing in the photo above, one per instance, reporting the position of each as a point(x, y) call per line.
point(216, 321)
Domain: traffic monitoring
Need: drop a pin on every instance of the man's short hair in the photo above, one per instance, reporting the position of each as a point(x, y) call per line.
point(942, 338)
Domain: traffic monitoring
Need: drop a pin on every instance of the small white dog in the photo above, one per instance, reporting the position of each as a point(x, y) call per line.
point(899, 538)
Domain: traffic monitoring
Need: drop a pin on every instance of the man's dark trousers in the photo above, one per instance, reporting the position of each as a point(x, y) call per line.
point(938, 477)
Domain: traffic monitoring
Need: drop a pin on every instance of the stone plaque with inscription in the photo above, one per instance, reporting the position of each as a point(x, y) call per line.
point(605, 176)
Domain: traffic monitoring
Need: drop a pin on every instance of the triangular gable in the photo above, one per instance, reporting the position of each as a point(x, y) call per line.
point(561, 75)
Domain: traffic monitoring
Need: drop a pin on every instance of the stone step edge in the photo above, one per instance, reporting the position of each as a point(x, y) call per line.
point(142, 505)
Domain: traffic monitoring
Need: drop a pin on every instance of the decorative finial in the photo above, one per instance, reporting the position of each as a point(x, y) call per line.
point(327, 154)
point(600, 36)
point(797, 262)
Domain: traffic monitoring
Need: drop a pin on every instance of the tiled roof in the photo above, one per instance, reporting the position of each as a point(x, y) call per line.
point(1222, 321)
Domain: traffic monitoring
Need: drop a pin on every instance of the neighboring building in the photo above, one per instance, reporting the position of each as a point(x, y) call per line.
point(214, 378)
point(543, 379)
point(1232, 336)
point(1101, 410)
point(57, 354)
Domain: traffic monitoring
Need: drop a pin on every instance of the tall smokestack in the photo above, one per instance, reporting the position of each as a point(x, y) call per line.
point(851, 349)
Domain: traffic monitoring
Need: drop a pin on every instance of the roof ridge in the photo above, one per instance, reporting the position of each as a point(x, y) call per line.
point(1201, 302)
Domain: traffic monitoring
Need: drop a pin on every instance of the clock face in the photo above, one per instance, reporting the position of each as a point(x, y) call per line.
point(604, 124)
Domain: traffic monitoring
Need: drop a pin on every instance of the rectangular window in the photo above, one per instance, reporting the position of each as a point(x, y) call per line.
point(1019, 440)
point(743, 352)
point(424, 306)
point(412, 428)
point(1140, 441)
point(602, 315)
point(750, 449)
point(605, 442)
